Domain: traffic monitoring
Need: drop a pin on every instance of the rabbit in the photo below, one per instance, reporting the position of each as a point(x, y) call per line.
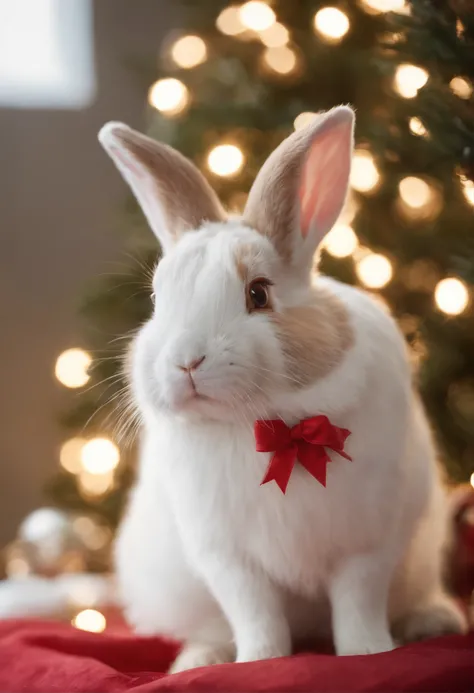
point(245, 329)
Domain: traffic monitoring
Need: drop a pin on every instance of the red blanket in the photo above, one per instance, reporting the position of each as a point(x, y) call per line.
point(45, 657)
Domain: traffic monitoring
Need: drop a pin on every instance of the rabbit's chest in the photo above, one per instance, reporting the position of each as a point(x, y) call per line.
point(221, 507)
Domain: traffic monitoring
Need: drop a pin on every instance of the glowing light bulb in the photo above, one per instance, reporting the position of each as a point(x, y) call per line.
point(90, 620)
point(417, 128)
point(72, 368)
point(341, 241)
point(468, 190)
point(461, 87)
point(275, 36)
point(281, 60)
point(225, 160)
point(409, 79)
point(331, 23)
point(378, 6)
point(99, 456)
point(169, 96)
point(189, 51)
point(70, 455)
point(374, 270)
point(451, 296)
point(304, 119)
point(229, 22)
point(364, 173)
point(415, 192)
point(472, 479)
point(257, 15)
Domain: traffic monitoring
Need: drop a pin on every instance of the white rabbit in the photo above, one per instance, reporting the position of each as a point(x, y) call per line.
point(243, 330)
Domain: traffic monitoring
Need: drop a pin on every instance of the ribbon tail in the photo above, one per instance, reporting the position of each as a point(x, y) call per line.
point(314, 460)
point(280, 467)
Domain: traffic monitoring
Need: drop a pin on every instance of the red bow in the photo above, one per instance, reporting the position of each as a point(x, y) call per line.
point(305, 442)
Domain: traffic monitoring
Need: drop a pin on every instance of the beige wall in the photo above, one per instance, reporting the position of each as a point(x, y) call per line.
point(59, 197)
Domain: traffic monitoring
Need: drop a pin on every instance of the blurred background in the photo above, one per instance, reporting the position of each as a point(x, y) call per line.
point(224, 83)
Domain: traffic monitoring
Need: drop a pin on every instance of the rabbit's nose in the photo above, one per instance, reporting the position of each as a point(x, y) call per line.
point(193, 366)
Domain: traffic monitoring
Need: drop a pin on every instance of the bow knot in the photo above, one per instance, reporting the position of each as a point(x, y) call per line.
point(306, 442)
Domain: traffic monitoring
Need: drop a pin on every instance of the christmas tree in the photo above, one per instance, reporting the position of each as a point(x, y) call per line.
point(231, 85)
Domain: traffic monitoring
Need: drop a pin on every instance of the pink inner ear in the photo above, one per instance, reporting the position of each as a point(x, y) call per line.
point(324, 180)
point(126, 162)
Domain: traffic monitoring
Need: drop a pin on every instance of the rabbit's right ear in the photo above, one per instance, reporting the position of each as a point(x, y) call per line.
point(173, 194)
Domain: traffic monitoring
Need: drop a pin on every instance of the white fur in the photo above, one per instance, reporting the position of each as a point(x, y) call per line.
point(205, 553)
point(200, 530)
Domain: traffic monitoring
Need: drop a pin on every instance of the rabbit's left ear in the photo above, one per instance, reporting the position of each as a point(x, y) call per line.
point(301, 189)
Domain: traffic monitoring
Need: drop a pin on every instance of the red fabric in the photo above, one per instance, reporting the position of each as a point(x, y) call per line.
point(41, 657)
point(306, 443)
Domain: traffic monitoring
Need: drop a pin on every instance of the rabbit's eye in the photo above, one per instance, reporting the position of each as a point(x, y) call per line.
point(258, 295)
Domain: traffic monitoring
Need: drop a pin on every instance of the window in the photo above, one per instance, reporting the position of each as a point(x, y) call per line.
point(46, 54)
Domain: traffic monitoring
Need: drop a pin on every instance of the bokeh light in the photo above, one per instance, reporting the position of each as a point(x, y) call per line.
point(72, 368)
point(341, 241)
point(364, 173)
point(417, 128)
point(461, 87)
point(99, 456)
point(256, 15)
point(225, 160)
point(374, 270)
point(415, 192)
point(304, 119)
point(379, 6)
point(468, 190)
point(170, 96)
point(70, 455)
point(189, 51)
point(90, 620)
point(451, 296)
point(95, 485)
point(409, 79)
point(331, 24)
point(275, 36)
point(229, 22)
point(282, 60)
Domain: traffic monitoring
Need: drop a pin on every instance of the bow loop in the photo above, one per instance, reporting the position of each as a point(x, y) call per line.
point(306, 443)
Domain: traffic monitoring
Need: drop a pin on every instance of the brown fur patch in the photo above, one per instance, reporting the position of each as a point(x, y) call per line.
point(314, 338)
point(186, 196)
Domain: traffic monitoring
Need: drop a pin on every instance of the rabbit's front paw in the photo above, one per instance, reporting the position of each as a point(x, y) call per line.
point(196, 655)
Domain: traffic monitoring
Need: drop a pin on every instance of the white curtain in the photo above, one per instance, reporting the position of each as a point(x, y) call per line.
point(46, 54)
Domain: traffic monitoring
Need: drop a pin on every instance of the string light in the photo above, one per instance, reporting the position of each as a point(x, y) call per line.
point(331, 24)
point(472, 479)
point(257, 15)
point(70, 455)
point(99, 456)
point(468, 190)
point(275, 36)
point(364, 173)
point(341, 241)
point(461, 87)
point(374, 270)
point(282, 60)
point(304, 119)
point(379, 6)
point(409, 79)
point(72, 368)
point(417, 128)
point(90, 620)
point(229, 22)
point(225, 160)
point(169, 96)
point(451, 296)
point(189, 51)
point(415, 192)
